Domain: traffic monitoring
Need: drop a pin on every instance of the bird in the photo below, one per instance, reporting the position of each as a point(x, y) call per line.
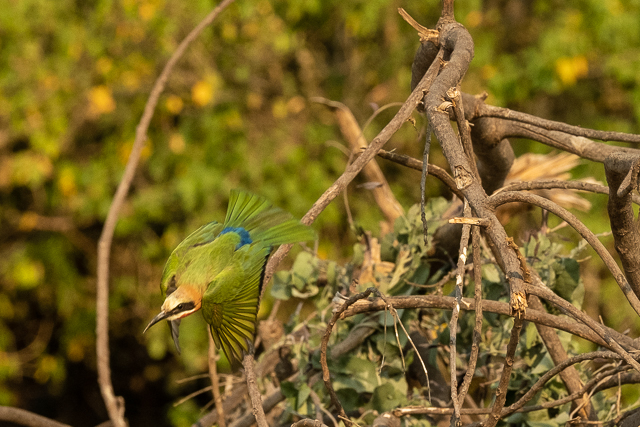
point(219, 269)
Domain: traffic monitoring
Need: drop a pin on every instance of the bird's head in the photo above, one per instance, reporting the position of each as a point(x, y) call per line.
point(182, 302)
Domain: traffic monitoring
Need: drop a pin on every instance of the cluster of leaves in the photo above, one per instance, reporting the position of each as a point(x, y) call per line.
point(376, 377)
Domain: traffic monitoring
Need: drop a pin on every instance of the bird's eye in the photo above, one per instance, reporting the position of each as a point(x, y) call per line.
point(180, 306)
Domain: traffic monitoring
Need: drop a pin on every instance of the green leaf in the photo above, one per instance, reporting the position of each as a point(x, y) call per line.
point(388, 396)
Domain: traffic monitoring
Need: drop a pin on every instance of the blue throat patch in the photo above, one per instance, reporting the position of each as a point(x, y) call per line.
point(245, 239)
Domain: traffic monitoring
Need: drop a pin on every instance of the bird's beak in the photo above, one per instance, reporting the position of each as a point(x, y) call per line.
point(155, 320)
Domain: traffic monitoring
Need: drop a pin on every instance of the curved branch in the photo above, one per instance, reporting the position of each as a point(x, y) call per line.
point(26, 418)
point(354, 168)
point(504, 113)
point(416, 164)
point(326, 375)
point(115, 405)
point(513, 196)
point(531, 315)
point(552, 184)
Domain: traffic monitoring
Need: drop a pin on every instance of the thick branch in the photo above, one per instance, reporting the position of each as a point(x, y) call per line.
point(458, 41)
point(625, 230)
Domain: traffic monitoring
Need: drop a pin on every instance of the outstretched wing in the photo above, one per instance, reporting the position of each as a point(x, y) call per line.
point(230, 304)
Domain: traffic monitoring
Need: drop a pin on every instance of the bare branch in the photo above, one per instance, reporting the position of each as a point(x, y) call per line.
point(512, 196)
point(453, 324)
point(501, 391)
point(215, 386)
point(26, 418)
point(115, 405)
point(477, 328)
point(416, 164)
point(446, 302)
point(354, 168)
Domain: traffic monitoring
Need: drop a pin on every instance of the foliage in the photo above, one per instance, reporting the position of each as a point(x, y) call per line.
point(74, 77)
point(373, 378)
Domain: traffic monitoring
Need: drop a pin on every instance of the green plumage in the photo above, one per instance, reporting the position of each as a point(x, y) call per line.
point(221, 267)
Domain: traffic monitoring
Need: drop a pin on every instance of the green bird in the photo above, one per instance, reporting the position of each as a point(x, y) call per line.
point(219, 268)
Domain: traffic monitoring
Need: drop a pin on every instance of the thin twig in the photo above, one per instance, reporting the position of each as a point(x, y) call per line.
point(215, 386)
point(369, 153)
point(501, 391)
point(423, 183)
point(416, 164)
point(477, 328)
point(256, 400)
point(192, 395)
point(326, 374)
point(115, 405)
point(453, 323)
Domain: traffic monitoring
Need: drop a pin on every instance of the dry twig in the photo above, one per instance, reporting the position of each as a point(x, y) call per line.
point(115, 405)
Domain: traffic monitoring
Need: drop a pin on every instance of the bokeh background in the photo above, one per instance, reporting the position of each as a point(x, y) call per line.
point(236, 112)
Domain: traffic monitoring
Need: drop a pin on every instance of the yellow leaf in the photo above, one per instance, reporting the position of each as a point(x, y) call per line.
point(176, 143)
point(101, 101)
point(279, 109)
point(146, 10)
point(174, 104)
point(28, 273)
point(202, 93)
point(67, 182)
point(569, 70)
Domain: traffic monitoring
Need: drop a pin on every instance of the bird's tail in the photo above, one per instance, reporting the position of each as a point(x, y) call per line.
point(264, 222)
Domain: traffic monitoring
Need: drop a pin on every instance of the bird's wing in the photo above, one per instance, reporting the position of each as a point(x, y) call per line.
point(265, 223)
point(230, 304)
point(201, 236)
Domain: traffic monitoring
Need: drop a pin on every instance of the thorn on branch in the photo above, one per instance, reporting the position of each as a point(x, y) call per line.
point(426, 35)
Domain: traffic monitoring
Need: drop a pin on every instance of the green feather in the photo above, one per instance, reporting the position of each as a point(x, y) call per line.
point(265, 223)
point(230, 304)
point(228, 268)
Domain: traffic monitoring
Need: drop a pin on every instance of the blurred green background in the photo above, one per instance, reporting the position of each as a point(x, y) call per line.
point(74, 78)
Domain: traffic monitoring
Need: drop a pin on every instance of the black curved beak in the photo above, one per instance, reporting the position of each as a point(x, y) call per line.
point(175, 332)
point(155, 320)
